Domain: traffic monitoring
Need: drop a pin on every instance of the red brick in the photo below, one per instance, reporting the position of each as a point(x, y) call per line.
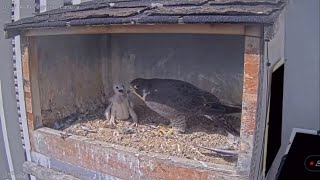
point(249, 106)
point(27, 95)
point(25, 70)
point(28, 102)
point(251, 73)
point(121, 162)
point(26, 86)
point(30, 116)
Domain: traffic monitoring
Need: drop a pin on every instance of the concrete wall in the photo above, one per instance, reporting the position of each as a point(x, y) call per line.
point(4, 166)
point(211, 62)
point(301, 78)
point(70, 78)
point(47, 5)
point(301, 86)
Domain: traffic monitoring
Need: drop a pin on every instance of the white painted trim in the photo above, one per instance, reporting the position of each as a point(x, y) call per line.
point(22, 106)
point(17, 16)
point(16, 10)
point(43, 5)
point(5, 136)
point(20, 12)
point(277, 64)
point(46, 5)
point(271, 69)
point(21, 98)
point(74, 2)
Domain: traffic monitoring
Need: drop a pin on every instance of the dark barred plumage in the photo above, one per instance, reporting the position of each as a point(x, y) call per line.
point(175, 99)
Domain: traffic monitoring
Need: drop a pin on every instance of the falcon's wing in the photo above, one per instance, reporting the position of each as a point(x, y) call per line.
point(205, 103)
point(189, 99)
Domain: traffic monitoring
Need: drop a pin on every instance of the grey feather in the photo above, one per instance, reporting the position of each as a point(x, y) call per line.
point(172, 98)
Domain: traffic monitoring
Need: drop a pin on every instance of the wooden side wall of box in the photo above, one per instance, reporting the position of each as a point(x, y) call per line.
point(31, 86)
point(252, 62)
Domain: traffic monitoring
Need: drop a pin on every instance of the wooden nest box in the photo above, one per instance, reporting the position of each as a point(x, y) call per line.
point(72, 55)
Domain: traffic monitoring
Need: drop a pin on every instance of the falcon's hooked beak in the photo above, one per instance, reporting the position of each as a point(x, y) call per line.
point(137, 86)
point(141, 94)
point(133, 89)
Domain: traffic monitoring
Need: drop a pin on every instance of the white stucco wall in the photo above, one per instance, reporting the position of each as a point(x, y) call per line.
point(301, 85)
point(301, 78)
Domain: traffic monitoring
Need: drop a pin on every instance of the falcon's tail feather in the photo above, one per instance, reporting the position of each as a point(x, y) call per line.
point(224, 124)
point(230, 128)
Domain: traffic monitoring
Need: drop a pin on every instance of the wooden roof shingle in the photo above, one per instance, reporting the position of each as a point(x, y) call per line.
point(108, 12)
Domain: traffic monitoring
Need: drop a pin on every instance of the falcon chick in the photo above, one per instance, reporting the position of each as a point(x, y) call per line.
point(175, 100)
point(120, 106)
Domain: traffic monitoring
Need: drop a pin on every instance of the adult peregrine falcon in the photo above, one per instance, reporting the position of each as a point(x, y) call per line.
point(175, 99)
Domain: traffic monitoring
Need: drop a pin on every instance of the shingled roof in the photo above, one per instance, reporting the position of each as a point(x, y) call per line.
point(108, 12)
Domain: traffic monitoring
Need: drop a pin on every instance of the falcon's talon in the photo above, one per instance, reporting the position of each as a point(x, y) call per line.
point(135, 124)
point(112, 124)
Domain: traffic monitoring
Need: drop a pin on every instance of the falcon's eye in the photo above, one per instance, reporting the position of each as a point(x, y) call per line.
point(136, 86)
point(117, 87)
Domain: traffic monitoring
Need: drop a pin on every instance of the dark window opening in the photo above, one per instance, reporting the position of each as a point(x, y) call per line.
point(37, 6)
point(275, 116)
point(67, 2)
